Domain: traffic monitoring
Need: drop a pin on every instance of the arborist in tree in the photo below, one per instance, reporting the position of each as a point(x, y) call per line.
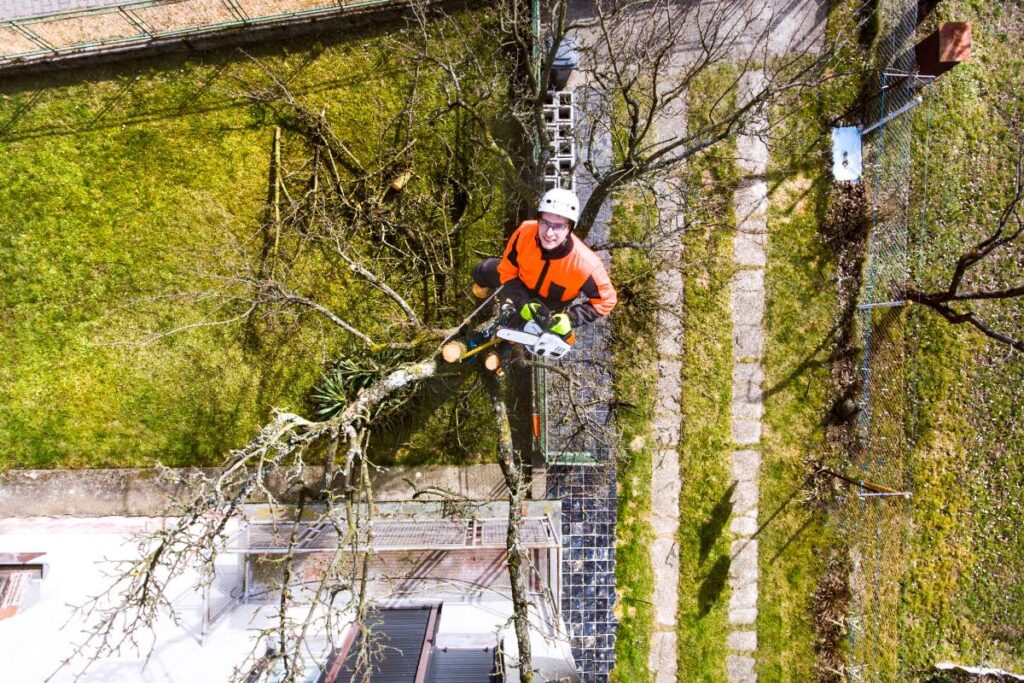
point(543, 261)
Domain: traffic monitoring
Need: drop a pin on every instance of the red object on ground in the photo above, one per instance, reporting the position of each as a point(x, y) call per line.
point(946, 47)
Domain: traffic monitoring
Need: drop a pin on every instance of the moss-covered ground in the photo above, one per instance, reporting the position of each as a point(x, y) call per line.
point(962, 591)
point(706, 440)
point(125, 193)
point(635, 351)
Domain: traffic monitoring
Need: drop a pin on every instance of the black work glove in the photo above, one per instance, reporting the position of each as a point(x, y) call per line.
point(582, 313)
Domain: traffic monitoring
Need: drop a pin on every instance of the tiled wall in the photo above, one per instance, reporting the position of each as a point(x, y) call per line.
point(588, 563)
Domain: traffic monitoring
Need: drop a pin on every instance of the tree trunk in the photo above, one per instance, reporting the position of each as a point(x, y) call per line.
point(518, 559)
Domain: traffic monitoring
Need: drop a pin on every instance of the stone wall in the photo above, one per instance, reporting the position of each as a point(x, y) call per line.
point(152, 492)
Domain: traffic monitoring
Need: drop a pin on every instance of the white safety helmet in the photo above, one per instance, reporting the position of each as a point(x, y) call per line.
point(561, 202)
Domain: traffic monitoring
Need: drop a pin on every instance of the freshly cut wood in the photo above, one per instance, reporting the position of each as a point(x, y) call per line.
point(491, 361)
point(452, 351)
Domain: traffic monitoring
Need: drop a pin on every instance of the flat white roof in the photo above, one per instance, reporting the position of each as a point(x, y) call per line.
point(82, 552)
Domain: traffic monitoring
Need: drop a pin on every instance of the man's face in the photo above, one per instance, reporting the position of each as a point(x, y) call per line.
point(553, 230)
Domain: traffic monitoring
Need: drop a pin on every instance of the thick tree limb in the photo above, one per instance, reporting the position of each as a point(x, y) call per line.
point(518, 557)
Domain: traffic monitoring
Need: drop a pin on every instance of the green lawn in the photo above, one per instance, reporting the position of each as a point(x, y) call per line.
point(706, 439)
point(140, 180)
point(962, 595)
point(795, 539)
point(634, 348)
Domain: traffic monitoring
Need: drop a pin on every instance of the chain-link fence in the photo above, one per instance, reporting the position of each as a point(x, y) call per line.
point(878, 521)
point(140, 23)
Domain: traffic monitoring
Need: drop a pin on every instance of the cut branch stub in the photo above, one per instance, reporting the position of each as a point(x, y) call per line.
point(452, 351)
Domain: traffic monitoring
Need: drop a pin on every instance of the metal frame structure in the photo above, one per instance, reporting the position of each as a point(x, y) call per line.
point(263, 538)
point(139, 31)
point(391, 535)
point(560, 122)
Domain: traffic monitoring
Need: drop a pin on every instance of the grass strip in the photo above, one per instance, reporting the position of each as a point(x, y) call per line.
point(706, 439)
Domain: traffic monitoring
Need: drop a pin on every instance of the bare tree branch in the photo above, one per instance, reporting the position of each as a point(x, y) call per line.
point(1008, 230)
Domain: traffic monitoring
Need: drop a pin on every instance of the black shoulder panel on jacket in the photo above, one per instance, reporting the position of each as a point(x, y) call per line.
point(589, 288)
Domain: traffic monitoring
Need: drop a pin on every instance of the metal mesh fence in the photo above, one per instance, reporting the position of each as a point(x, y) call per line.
point(878, 522)
point(107, 26)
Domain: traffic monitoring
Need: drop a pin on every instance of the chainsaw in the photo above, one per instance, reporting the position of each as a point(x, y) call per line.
point(533, 337)
point(536, 340)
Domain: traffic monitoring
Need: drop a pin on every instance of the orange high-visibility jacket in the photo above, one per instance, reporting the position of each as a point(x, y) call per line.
point(556, 277)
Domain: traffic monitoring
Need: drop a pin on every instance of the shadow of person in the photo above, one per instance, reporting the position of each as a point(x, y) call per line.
point(713, 584)
point(711, 530)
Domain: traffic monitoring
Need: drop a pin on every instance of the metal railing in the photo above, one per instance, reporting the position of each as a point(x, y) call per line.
point(141, 23)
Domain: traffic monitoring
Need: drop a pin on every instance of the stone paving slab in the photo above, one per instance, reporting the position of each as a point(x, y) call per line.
point(746, 381)
point(665, 562)
point(669, 346)
point(667, 422)
point(747, 309)
point(754, 160)
point(798, 25)
point(662, 658)
point(745, 525)
point(741, 668)
point(743, 598)
point(746, 432)
point(669, 283)
point(747, 404)
point(666, 429)
point(748, 342)
point(665, 488)
point(749, 249)
point(747, 306)
point(744, 496)
point(742, 641)
point(748, 281)
point(746, 465)
point(751, 205)
point(669, 386)
point(743, 569)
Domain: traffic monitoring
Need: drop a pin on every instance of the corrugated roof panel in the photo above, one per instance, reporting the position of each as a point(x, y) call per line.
point(396, 641)
point(462, 666)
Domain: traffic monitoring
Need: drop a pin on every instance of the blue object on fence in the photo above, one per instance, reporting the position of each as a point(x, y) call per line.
point(846, 153)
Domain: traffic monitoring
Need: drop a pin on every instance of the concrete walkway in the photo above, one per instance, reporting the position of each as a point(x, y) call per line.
point(665, 476)
point(747, 304)
point(667, 424)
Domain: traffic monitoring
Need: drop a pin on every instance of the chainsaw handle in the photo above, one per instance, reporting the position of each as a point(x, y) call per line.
point(539, 313)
